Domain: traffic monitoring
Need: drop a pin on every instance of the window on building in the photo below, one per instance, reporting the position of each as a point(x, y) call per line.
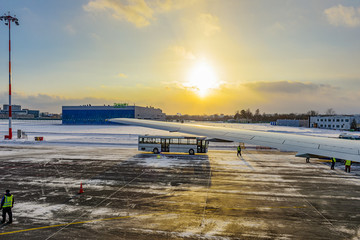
point(337, 126)
point(321, 125)
point(342, 120)
point(346, 120)
point(321, 120)
point(338, 120)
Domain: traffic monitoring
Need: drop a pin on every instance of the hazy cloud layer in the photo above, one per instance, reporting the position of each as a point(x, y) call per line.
point(122, 75)
point(47, 103)
point(290, 87)
point(182, 52)
point(138, 12)
point(343, 16)
point(281, 96)
point(209, 24)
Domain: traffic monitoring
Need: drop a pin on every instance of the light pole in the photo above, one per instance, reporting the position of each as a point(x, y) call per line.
point(7, 18)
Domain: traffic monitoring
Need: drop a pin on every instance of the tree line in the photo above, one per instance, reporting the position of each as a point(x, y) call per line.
point(246, 115)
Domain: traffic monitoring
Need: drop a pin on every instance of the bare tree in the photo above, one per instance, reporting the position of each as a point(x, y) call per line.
point(312, 113)
point(257, 115)
point(330, 112)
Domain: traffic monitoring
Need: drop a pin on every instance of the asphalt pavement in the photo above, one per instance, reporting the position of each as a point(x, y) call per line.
point(133, 195)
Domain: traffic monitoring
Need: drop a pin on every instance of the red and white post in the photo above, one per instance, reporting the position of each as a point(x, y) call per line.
point(8, 19)
point(10, 110)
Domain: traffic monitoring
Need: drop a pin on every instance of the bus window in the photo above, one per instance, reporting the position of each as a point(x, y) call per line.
point(174, 141)
point(192, 141)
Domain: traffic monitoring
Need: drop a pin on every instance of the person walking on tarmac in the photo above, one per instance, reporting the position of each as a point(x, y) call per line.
point(239, 150)
point(333, 161)
point(7, 202)
point(347, 165)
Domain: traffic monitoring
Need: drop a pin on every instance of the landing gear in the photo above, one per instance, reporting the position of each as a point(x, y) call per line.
point(307, 160)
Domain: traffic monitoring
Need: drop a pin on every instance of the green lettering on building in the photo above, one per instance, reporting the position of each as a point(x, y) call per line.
point(120, 105)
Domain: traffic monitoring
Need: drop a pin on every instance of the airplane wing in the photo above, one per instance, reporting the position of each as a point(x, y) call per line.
point(305, 146)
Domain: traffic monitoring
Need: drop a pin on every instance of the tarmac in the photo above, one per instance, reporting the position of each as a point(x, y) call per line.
point(133, 195)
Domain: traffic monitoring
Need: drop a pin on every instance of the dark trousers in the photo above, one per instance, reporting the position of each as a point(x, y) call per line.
point(332, 165)
point(347, 168)
point(8, 211)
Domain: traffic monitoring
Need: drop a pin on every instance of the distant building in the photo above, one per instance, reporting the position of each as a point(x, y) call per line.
point(98, 114)
point(19, 113)
point(35, 113)
point(292, 123)
point(339, 122)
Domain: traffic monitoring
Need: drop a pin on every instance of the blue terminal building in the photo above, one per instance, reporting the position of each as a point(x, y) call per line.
point(96, 115)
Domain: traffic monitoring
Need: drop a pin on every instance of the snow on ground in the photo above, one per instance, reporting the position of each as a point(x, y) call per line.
point(121, 135)
point(56, 133)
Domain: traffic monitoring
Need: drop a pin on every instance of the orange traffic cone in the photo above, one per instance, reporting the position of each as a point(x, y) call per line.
point(81, 189)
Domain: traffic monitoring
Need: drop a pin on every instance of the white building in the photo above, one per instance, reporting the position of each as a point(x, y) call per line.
point(339, 122)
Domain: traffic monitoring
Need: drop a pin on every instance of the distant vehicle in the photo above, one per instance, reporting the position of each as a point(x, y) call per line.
point(157, 144)
point(349, 136)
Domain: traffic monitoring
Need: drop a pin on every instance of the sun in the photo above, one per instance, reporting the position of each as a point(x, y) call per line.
point(202, 78)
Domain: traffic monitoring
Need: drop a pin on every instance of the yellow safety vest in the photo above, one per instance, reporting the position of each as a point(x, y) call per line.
point(348, 163)
point(334, 159)
point(8, 201)
point(239, 148)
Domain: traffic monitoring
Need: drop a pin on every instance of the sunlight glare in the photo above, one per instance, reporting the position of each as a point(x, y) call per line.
point(202, 78)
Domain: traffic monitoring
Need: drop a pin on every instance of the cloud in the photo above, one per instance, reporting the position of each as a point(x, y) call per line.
point(343, 16)
point(49, 103)
point(287, 87)
point(182, 52)
point(209, 24)
point(122, 75)
point(139, 12)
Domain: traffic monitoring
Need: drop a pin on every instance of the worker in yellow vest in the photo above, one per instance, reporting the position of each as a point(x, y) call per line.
point(347, 165)
point(239, 150)
point(333, 161)
point(7, 202)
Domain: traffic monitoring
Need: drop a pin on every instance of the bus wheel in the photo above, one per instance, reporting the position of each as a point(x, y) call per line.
point(155, 150)
point(191, 152)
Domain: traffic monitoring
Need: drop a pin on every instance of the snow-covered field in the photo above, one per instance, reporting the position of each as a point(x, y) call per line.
point(120, 135)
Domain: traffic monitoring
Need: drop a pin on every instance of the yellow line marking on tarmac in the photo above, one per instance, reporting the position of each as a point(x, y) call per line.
point(124, 217)
point(250, 208)
point(82, 222)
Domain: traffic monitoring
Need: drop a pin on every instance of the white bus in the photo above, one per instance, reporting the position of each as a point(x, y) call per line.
point(157, 144)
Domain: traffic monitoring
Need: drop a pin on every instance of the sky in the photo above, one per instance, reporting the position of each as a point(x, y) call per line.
point(184, 56)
